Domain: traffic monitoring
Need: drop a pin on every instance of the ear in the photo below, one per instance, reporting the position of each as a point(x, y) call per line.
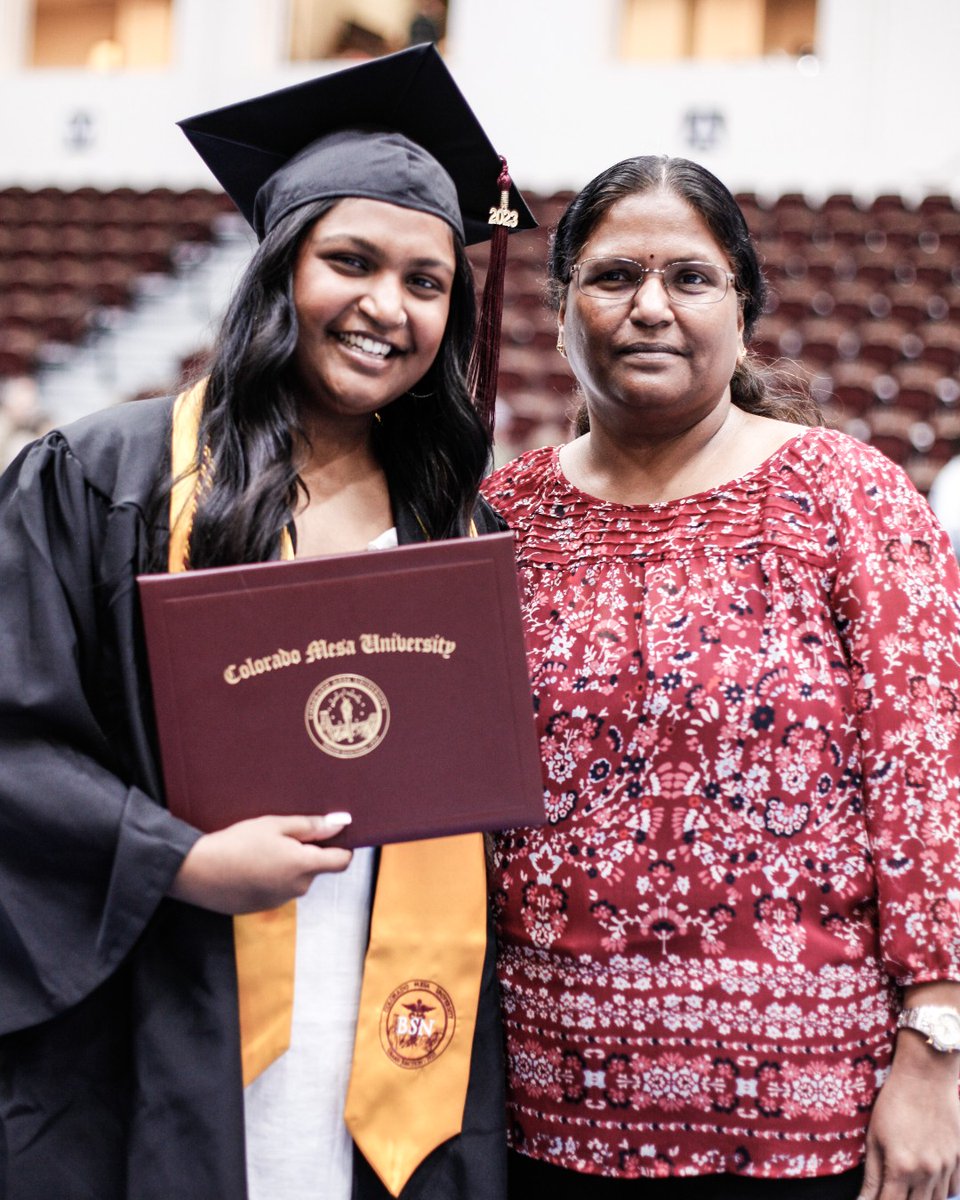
point(561, 314)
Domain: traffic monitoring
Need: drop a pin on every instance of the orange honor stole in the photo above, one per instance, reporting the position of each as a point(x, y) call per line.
point(421, 978)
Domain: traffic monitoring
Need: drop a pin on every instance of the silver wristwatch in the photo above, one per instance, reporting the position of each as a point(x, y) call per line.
point(939, 1024)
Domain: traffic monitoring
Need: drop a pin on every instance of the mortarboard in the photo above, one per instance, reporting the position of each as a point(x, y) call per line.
point(316, 140)
point(396, 129)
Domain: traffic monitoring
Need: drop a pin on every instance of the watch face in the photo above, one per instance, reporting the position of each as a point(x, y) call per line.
point(945, 1031)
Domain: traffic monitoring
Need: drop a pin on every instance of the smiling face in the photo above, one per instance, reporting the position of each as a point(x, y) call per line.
point(648, 357)
point(371, 286)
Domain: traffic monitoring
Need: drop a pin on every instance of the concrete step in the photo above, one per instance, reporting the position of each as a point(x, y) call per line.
point(140, 349)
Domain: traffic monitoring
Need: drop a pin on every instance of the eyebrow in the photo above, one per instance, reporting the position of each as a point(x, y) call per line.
point(377, 251)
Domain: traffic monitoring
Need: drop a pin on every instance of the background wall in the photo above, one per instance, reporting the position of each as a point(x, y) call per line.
point(874, 110)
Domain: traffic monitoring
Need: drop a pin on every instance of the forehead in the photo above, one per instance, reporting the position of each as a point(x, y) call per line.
point(404, 231)
point(654, 226)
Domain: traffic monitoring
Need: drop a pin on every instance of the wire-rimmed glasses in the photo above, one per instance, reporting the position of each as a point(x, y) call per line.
point(684, 282)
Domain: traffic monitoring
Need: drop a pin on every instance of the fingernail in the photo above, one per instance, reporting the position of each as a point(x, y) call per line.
point(338, 818)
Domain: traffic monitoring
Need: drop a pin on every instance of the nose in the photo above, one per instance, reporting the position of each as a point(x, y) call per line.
point(383, 300)
point(651, 304)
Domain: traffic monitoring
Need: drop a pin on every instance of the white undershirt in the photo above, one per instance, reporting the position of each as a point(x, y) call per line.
point(945, 500)
point(298, 1147)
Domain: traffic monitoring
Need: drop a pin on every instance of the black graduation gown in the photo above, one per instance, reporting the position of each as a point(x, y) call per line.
point(119, 1049)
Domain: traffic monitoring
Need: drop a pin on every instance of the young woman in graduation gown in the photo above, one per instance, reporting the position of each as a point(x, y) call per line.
point(335, 412)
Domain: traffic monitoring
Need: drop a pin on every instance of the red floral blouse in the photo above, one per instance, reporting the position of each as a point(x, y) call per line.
point(748, 703)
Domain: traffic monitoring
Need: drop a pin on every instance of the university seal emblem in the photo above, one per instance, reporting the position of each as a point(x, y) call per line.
point(347, 716)
point(417, 1023)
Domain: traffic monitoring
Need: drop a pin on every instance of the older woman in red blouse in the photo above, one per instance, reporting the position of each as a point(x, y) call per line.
point(744, 643)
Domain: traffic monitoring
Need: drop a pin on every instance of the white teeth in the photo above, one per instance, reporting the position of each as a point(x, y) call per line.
point(368, 345)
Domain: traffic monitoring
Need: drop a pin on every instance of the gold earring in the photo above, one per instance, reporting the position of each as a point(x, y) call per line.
point(560, 343)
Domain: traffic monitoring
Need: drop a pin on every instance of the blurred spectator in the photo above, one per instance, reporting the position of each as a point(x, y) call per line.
point(945, 500)
point(428, 23)
point(357, 41)
point(21, 417)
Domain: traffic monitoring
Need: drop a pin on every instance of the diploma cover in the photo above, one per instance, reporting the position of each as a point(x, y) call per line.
point(391, 684)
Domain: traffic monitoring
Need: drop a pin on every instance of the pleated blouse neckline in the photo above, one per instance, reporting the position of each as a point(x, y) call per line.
point(740, 483)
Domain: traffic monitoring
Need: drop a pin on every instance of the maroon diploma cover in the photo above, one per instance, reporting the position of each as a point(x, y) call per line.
point(391, 684)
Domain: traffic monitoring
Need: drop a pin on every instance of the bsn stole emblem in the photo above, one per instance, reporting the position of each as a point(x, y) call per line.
point(417, 1023)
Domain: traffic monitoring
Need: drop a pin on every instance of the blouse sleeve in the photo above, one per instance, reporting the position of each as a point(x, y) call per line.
point(85, 858)
point(896, 596)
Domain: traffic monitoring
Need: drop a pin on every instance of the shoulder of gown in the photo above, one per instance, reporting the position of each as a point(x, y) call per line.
point(117, 449)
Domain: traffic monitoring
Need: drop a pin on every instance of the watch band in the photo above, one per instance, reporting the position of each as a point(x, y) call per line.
point(939, 1024)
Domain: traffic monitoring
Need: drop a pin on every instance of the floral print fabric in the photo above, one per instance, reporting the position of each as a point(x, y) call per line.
point(748, 703)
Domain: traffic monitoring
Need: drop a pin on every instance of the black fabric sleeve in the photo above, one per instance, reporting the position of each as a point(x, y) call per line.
point(85, 856)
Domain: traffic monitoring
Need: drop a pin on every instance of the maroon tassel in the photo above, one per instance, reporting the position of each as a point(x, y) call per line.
point(485, 358)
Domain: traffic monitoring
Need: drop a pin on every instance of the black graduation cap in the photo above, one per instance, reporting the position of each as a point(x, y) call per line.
point(396, 129)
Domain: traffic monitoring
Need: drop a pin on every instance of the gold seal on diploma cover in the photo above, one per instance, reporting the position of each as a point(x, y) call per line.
point(417, 1023)
point(347, 716)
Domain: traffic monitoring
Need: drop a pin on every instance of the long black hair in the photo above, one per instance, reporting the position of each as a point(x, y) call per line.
point(432, 445)
point(753, 388)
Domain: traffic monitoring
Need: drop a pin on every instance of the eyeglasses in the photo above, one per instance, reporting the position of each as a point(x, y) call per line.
point(684, 282)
